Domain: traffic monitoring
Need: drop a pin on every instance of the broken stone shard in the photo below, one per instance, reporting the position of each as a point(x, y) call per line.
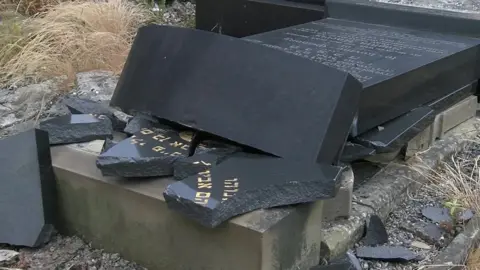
point(428, 232)
point(376, 232)
point(77, 128)
point(245, 182)
point(140, 121)
point(437, 214)
point(148, 153)
point(238, 94)
point(346, 262)
point(201, 162)
point(86, 106)
point(27, 189)
point(386, 253)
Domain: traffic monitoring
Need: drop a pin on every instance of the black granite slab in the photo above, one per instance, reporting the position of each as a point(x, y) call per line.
point(148, 153)
point(77, 128)
point(243, 183)
point(353, 151)
point(395, 134)
point(249, 94)
point(239, 18)
point(86, 106)
point(400, 69)
point(428, 19)
point(27, 189)
point(453, 98)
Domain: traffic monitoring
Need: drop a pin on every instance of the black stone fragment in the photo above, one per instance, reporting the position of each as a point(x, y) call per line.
point(396, 133)
point(465, 215)
point(346, 262)
point(27, 189)
point(148, 153)
point(352, 152)
point(77, 128)
point(437, 214)
point(428, 232)
point(109, 143)
point(140, 121)
point(201, 162)
point(86, 106)
point(387, 253)
point(376, 232)
point(245, 182)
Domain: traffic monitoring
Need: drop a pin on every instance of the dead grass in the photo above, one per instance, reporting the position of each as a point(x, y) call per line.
point(71, 37)
point(27, 7)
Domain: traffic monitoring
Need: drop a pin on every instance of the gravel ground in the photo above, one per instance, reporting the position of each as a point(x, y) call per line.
point(469, 6)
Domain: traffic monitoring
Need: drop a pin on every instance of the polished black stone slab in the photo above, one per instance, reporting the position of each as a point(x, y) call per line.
point(353, 151)
point(27, 189)
point(414, 17)
point(86, 106)
point(203, 161)
point(240, 18)
point(453, 98)
point(77, 128)
point(396, 133)
point(400, 69)
point(249, 94)
point(243, 183)
point(148, 153)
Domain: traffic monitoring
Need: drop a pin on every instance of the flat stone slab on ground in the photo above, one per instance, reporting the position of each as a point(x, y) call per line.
point(246, 182)
point(27, 189)
point(77, 128)
point(437, 214)
point(240, 77)
point(387, 253)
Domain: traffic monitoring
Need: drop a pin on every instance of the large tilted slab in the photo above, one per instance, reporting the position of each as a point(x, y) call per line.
point(400, 69)
point(269, 100)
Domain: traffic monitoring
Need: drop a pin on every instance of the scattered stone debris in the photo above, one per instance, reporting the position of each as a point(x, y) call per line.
point(376, 232)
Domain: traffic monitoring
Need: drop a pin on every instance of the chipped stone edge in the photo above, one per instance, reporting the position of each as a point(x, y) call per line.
point(391, 186)
point(456, 253)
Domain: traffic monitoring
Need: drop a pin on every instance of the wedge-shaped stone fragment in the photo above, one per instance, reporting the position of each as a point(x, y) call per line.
point(249, 94)
point(387, 253)
point(86, 106)
point(398, 132)
point(27, 189)
point(245, 182)
point(376, 232)
point(148, 153)
point(77, 128)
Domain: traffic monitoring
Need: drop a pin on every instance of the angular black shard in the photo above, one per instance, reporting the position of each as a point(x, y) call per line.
point(386, 253)
point(239, 18)
point(148, 153)
point(109, 143)
point(77, 128)
point(390, 62)
point(86, 106)
point(245, 93)
point(437, 214)
point(396, 133)
point(201, 162)
point(27, 189)
point(414, 17)
point(376, 232)
point(141, 121)
point(245, 182)
point(352, 152)
point(346, 262)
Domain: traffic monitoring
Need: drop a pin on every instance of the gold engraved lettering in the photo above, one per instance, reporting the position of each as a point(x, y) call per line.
point(160, 138)
point(231, 180)
point(176, 144)
point(231, 185)
point(202, 197)
point(200, 180)
point(205, 185)
point(145, 131)
point(175, 154)
point(202, 162)
point(205, 172)
point(231, 191)
point(230, 188)
point(158, 148)
point(137, 141)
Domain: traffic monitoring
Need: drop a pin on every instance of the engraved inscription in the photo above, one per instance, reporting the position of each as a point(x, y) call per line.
point(204, 181)
point(162, 138)
point(230, 188)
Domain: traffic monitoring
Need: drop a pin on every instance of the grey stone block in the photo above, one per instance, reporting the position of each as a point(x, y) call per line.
point(341, 205)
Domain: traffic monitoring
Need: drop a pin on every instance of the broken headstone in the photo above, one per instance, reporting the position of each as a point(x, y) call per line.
point(386, 253)
point(77, 128)
point(148, 153)
point(140, 121)
point(201, 162)
point(376, 232)
point(86, 106)
point(437, 214)
point(27, 189)
point(246, 182)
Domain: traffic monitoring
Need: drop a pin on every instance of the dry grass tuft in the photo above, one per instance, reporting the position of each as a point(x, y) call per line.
point(72, 37)
point(27, 7)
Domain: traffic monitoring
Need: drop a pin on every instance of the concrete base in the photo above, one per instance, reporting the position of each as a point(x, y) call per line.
point(131, 218)
point(444, 122)
point(341, 205)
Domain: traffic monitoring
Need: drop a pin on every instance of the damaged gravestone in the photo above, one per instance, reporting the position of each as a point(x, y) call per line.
point(77, 128)
point(140, 121)
point(148, 153)
point(245, 93)
point(246, 182)
point(27, 189)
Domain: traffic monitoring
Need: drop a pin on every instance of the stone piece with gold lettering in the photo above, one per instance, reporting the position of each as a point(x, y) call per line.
point(77, 128)
point(27, 189)
point(148, 153)
point(86, 106)
point(246, 182)
point(141, 121)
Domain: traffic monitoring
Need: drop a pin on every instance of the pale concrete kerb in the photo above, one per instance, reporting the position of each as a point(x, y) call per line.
point(131, 218)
